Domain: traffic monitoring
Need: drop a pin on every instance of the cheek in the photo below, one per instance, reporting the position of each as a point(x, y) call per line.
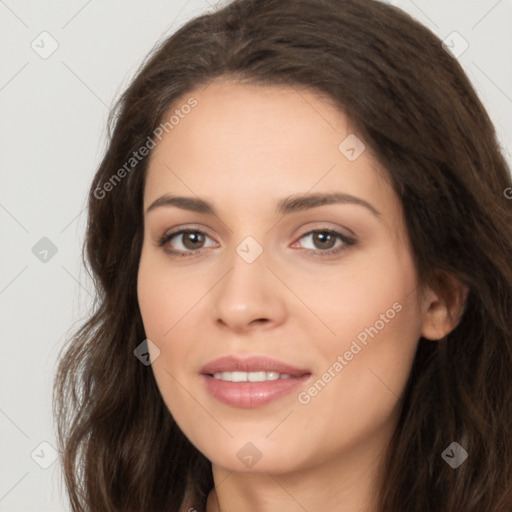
point(164, 296)
point(363, 377)
point(374, 314)
point(368, 292)
point(161, 308)
point(168, 300)
point(153, 300)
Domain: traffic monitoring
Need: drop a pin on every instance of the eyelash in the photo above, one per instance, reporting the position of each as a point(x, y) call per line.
point(347, 242)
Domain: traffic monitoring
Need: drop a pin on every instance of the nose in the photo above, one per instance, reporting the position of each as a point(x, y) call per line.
point(249, 296)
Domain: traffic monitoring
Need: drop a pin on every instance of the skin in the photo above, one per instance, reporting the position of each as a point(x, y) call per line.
point(243, 148)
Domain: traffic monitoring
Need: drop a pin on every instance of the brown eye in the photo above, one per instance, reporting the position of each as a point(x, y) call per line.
point(324, 239)
point(193, 239)
point(325, 242)
point(186, 242)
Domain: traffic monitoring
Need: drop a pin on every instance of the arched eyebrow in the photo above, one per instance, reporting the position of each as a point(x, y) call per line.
point(285, 206)
point(193, 204)
point(303, 202)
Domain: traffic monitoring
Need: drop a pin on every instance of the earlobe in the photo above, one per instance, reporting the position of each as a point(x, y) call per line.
point(442, 310)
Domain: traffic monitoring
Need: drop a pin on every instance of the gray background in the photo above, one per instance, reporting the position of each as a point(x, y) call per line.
point(52, 132)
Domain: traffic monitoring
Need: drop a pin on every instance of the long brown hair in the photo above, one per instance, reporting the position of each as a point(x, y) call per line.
point(417, 111)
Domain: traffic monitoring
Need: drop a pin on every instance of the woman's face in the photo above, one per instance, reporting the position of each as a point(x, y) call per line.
point(326, 287)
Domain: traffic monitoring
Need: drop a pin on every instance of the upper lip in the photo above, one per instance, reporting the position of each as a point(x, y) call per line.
point(251, 364)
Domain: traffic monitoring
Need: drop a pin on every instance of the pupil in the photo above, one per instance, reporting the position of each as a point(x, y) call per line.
point(193, 239)
point(322, 238)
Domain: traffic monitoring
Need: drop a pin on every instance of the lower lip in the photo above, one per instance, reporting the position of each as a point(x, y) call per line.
point(251, 394)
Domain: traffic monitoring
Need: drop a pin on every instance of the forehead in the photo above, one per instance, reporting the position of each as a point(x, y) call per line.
point(255, 142)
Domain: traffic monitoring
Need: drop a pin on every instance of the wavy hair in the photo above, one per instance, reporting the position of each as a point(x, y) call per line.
point(417, 111)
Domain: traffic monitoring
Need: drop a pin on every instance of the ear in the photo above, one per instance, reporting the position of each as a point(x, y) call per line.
point(442, 306)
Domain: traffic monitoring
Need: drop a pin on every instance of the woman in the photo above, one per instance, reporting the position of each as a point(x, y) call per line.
point(302, 246)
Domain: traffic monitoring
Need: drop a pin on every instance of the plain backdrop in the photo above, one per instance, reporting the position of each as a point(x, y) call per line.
point(62, 66)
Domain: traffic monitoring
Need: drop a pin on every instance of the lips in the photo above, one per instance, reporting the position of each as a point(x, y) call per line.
point(252, 364)
point(250, 394)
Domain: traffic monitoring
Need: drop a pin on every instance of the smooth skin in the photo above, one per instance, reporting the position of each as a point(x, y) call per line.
point(244, 148)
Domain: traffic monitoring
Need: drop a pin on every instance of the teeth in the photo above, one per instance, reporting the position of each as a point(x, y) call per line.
point(250, 376)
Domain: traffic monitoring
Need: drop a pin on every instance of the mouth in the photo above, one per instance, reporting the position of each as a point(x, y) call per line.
point(252, 382)
point(258, 376)
point(241, 368)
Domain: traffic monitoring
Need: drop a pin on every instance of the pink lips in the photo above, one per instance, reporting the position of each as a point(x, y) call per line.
point(251, 394)
point(251, 364)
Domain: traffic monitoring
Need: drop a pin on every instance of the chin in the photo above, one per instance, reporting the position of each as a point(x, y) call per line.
point(256, 456)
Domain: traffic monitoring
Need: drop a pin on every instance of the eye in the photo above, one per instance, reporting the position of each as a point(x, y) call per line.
point(327, 242)
point(186, 242)
point(190, 242)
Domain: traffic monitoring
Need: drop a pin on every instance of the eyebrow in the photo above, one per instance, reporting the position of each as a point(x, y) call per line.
point(286, 206)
